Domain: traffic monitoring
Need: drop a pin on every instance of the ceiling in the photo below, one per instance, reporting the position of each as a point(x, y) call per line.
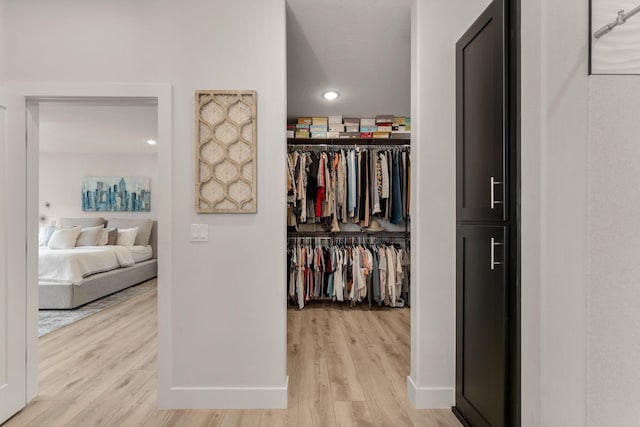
point(98, 127)
point(361, 48)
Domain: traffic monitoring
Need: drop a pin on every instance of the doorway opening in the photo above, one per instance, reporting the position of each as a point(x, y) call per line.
point(349, 222)
point(97, 254)
point(139, 289)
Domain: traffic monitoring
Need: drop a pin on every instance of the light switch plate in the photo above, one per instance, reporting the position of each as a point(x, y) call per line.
point(199, 232)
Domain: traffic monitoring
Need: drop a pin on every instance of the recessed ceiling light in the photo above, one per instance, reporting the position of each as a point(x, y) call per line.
point(330, 95)
point(151, 142)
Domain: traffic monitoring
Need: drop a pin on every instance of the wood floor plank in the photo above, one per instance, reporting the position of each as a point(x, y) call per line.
point(159, 418)
point(394, 362)
point(345, 385)
point(346, 366)
point(199, 417)
point(148, 392)
point(131, 413)
point(241, 417)
point(28, 414)
point(123, 390)
point(58, 415)
point(314, 375)
point(215, 418)
point(319, 413)
point(384, 406)
point(294, 332)
point(353, 414)
point(433, 418)
point(315, 404)
point(276, 417)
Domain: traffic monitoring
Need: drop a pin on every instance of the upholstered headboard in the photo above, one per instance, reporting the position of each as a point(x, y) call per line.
point(146, 227)
point(82, 222)
point(153, 239)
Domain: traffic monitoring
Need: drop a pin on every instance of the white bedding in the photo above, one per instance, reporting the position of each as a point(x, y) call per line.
point(141, 253)
point(73, 265)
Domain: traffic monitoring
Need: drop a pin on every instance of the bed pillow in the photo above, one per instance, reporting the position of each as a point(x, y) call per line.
point(45, 235)
point(89, 236)
point(104, 237)
point(144, 228)
point(64, 238)
point(113, 236)
point(127, 236)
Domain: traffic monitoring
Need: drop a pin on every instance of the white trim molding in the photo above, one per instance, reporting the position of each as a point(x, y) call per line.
point(430, 397)
point(230, 397)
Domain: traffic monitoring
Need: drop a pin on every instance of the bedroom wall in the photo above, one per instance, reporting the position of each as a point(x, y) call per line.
point(61, 179)
point(228, 304)
point(614, 227)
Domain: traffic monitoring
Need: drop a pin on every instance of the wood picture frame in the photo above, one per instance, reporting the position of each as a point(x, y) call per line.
point(226, 151)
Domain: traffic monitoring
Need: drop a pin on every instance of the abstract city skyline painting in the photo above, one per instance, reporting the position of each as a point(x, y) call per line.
point(116, 194)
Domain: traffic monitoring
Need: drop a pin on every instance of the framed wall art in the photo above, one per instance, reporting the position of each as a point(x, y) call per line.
point(226, 151)
point(615, 37)
point(116, 194)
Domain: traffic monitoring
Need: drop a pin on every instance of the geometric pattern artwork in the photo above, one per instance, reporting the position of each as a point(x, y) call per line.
point(116, 194)
point(226, 151)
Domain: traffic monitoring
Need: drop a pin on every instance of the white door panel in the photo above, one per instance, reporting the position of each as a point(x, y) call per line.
point(12, 255)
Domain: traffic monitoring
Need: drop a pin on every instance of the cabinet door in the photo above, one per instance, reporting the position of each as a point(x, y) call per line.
point(480, 119)
point(481, 324)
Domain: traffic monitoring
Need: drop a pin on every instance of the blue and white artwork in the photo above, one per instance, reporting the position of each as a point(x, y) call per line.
point(116, 194)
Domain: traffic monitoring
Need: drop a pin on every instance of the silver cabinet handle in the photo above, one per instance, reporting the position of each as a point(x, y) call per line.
point(493, 253)
point(493, 183)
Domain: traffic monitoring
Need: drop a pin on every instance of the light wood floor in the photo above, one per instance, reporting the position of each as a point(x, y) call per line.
point(347, 367)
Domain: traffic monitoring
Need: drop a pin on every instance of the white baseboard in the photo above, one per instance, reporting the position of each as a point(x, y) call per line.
point(226, 398)
point(430, 397)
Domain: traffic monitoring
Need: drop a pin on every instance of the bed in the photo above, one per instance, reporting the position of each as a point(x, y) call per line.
point(71, 277)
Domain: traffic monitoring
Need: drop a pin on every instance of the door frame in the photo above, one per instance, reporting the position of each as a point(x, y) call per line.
point(163, 93)
point(12, 380)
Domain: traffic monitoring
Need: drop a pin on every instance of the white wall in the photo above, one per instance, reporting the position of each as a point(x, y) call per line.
point(228, 312)
point(61, 180)
point(3, 41)
point(554, 212)
point(437, 26)
point(614, 251)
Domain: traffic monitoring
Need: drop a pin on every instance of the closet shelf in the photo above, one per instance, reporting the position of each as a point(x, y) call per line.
point(349, 141)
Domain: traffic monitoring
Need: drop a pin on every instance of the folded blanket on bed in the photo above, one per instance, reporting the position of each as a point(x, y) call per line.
point(73, 265)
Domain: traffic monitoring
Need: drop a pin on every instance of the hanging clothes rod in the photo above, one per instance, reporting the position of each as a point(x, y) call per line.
point(330, 234)
point(621, 19)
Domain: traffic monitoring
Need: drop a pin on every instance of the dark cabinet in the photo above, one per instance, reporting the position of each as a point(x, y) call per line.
point(480, 120)
point(486, 260)
point(481, 329)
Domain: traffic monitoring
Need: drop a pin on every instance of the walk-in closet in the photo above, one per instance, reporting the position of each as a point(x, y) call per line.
point(348, 151)
point(348, 216)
